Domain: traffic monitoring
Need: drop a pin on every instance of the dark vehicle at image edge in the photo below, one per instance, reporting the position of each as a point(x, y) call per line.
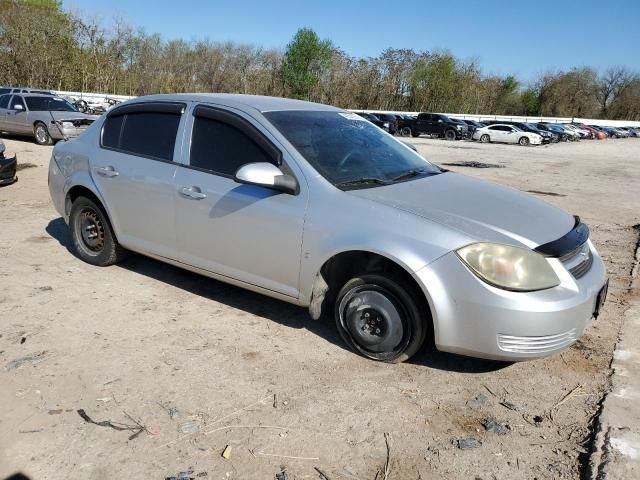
point(441, 126)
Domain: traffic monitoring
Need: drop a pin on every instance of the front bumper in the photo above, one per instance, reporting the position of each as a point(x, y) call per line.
point(58, 132)
point(8, 167)
point(473, 318)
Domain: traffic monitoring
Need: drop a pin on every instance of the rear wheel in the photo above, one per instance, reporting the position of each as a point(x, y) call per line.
point(450, 135)
point(485, 138)
point(92, 234)
point(378, 316)
point(41, 134)
point(406, 132)
point(524, 141)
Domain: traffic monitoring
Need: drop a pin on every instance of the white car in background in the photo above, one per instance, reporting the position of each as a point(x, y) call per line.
point(503, 133)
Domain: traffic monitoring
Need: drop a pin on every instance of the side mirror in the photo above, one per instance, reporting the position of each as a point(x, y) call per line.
point(18, 107)
point(266, 175)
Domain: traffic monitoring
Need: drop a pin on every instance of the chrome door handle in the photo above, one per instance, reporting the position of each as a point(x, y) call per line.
point(108, 172)
point(192, 192)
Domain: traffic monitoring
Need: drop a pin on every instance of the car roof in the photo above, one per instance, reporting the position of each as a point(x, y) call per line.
point(258, 102)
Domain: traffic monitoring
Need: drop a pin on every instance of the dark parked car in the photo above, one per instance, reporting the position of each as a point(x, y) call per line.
point(548, 127)
point(406, 125)
point(390, 120)
point(372, 118)
point(440, 125)
point(473, 125)
point(7, 167)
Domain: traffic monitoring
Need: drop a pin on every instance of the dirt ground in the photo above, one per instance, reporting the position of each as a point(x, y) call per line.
point(201, 365)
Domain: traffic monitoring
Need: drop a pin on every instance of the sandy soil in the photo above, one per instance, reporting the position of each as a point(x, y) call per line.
point(202, 365)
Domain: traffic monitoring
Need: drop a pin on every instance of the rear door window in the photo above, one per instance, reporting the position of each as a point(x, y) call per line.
point(145, 133)
point(4, 101)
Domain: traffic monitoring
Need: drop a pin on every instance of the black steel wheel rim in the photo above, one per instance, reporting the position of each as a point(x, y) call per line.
point(91, 229)
point(375, 320)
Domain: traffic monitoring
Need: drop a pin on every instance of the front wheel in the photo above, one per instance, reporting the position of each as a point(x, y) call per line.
point(524, 141)
point(485, 138)
point(92, 234)
point(450, 135)
point(378, 316)
point(41, 134)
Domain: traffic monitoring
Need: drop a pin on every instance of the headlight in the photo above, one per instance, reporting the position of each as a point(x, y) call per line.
point(458, 127)
point(511, 268)
point(67, 125)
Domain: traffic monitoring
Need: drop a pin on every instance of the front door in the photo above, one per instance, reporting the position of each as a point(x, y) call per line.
point(244, 232)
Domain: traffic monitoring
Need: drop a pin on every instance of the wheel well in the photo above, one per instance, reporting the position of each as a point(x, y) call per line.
point(80, 191)
point(341, 267)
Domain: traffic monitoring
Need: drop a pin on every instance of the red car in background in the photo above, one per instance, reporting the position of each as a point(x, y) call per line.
point(597, 133)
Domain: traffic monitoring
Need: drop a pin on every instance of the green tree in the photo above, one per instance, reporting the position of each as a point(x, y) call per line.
point(306, 60)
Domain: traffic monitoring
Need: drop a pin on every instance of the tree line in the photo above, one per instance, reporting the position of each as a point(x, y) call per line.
point(44, 46)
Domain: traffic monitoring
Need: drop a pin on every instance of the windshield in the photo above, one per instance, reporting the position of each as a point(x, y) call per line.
point(49, 104)
point(344, 148)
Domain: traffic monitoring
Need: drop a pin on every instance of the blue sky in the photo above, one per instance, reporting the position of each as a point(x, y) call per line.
point(524, 38)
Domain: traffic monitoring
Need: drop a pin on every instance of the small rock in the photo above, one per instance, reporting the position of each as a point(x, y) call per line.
point(492, 425)
point(477, 402)
point(537, 419)
point(467, 443)
point(283, 475)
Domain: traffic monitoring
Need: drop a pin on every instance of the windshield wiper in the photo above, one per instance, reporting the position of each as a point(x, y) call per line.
point(362, 181)
point(409, 174)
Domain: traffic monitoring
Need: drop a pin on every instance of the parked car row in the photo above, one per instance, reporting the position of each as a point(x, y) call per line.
point(522, 133)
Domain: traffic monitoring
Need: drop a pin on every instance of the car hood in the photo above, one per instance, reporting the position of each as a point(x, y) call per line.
point(72, 116)
point(481, 210)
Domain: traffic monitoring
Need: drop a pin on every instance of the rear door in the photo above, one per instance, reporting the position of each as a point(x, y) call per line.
point(134, 171)
point(244, 232)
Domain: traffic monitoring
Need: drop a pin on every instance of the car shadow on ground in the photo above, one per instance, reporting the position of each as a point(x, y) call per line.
point(278, 311)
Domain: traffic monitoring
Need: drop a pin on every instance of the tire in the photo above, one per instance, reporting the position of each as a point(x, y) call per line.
point(450, 134)
point(484, 138)
point(87, 219)
point(406, 132)
point(415, 134)
point(524, 141)
point(41, 134)
point(378, 316)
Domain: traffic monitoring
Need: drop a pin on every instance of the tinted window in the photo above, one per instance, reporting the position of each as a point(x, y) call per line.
point(16, 100)
point(152, 134)
point(495, 128)
point(4, 90)
point(4, 101)
point(111, 131)
point(342, 147)
point(221, 148)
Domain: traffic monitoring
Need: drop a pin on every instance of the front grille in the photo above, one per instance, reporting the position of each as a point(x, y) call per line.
point(578, 261)
point(549, 343)
point(583, 267)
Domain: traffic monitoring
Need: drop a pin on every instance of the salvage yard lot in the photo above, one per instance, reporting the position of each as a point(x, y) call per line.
point(202, 365)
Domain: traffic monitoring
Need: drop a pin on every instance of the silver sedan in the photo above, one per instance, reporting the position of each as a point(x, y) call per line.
point(316, 206)
point(45, 117)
